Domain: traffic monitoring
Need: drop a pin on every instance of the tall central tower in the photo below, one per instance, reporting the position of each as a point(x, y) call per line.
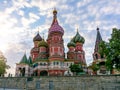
point(55, 40)
point(56, 47)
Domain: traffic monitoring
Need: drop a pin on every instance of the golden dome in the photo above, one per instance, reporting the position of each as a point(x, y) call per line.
point(54, 11)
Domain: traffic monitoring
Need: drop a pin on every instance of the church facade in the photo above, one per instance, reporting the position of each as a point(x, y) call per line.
point(47, 57)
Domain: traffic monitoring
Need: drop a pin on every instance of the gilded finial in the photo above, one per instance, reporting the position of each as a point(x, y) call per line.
point(54, 11)
point(54, 16)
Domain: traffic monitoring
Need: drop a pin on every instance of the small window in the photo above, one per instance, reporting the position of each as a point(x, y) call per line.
point(53, 63)
point(96, 56)
point(57, 63)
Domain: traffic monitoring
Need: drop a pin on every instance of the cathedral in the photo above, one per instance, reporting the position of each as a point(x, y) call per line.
point(47, 57)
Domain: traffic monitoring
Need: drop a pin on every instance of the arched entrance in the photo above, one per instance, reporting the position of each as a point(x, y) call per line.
point(44, 73)
point(22, 71)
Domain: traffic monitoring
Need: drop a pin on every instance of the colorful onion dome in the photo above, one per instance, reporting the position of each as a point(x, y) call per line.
point(37, 37)
point(71, 43)
point(78, 38)
point(55, 27)
point(43, 43)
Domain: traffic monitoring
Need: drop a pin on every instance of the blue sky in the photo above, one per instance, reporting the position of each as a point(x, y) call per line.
point(20, 20)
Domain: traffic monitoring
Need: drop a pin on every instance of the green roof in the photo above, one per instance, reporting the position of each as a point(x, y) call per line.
point(78, 38)
point(43, 43)
point(24, 60)
point(71, 43)
point(30, 60)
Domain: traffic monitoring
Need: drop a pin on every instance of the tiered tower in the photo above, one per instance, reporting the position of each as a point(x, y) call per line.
point(35, 49)
point(56, 46)
point(96, 54)
point(97, 57)
point(76, 51)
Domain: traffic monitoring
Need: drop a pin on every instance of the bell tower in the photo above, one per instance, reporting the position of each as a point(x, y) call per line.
point(96, 54)
point(97, 57)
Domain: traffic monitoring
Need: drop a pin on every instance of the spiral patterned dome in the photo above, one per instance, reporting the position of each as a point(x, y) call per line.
point(71, 43)
point(78, 38)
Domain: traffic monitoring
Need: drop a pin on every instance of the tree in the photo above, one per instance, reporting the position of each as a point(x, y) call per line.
point(76, 68)
point(94, 67)
point(111, 50)
point(3, 65)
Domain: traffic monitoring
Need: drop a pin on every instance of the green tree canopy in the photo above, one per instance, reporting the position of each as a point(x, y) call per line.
point(94, 67)
point(3, 65)
point(111, 50)
point(76, 68)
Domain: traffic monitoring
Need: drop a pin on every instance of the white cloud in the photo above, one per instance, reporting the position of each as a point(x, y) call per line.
point(27, 21)
point(20, 12)
point(10, 10)
point(83, 3)
point(43, 4)
point(31, 15)
point(20, 4)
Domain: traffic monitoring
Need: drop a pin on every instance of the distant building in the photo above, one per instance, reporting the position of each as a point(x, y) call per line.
point(48, 57)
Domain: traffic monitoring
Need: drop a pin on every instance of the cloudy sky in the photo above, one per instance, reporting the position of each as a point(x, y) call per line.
point(20, 20)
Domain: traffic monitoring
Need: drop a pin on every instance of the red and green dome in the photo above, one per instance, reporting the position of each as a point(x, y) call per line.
point(78, 38)
point(71, 43)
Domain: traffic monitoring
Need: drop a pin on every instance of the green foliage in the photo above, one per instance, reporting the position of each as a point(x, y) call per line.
point(94, 67)
point(111, 50)
point(3, 67)
point(109, 64)
point(76, 68)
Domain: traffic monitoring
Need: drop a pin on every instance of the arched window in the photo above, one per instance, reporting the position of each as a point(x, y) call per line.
point(53, 63)
point(57, 63)
point(96, 56)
